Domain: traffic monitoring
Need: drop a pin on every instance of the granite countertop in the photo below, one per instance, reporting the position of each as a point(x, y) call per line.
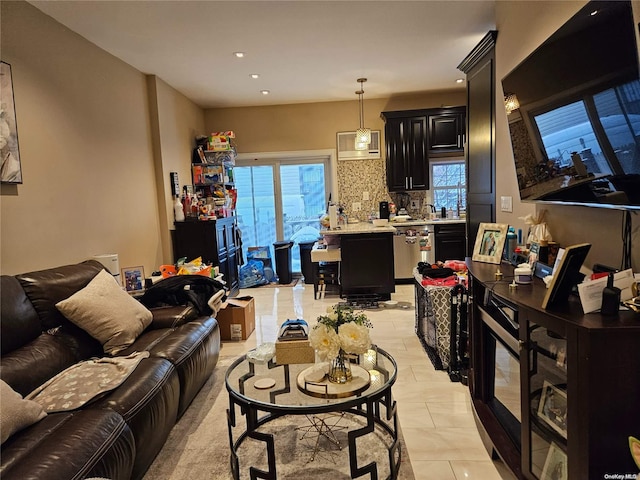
point(366, 227)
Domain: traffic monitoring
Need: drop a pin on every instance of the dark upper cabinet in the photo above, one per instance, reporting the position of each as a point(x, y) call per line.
point(413, 136)
point(447, 132)
point(406, 150)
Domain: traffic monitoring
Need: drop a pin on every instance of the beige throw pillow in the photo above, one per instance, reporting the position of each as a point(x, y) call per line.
point(107, 313)
point(16, 413)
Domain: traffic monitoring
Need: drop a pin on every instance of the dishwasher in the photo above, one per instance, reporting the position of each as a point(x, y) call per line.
point(411, 244)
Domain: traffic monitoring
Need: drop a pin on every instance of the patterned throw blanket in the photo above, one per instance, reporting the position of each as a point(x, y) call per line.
point(85, 381)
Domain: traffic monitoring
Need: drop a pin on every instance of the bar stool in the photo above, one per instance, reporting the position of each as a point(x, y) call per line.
point(326, 268)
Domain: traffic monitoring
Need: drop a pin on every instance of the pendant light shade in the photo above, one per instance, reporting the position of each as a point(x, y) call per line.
point(511, 103)
point(363, 134)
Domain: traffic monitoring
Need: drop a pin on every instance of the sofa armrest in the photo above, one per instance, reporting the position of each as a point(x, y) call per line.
point(172, 316)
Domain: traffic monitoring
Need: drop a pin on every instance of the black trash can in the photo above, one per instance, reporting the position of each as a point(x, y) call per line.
point(305, 261)
point(283, 261)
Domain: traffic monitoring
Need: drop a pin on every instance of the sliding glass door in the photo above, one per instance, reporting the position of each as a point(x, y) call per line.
point(281, 199)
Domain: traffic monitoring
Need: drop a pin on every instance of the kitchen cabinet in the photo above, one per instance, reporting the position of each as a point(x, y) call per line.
point(216, 241)
point(552, 387)
point(414, 136)
point(447, 132)
point(406, 150)
point(480, 69)
point(449, 241)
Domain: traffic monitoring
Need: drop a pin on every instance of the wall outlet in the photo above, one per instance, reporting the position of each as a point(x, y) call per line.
point(356, 206)
point(365, 196)
point(415, 204)
point(506, 204)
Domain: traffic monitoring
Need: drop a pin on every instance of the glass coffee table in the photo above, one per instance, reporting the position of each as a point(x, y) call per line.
point(264, 392)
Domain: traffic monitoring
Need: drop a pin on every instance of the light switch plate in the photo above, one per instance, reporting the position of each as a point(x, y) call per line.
point(506, 204)
point(365, 196)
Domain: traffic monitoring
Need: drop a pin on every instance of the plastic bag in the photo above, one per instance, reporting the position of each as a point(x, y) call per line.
point(252, 274)
point(538, 231)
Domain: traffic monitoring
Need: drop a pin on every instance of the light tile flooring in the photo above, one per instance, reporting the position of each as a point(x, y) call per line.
point(435, 413)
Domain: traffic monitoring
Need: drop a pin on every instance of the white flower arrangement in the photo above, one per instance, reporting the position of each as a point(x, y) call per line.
point(340, 329)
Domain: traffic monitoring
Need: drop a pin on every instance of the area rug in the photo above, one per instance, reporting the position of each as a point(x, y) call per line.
point(198, 445)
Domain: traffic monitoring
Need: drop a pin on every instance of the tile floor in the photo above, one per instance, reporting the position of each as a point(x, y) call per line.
point(435, 413)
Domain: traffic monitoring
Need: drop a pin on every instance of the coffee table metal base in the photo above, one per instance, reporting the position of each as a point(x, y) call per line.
point(379, 412)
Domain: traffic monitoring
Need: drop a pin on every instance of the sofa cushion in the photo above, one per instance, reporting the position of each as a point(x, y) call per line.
point(45, 288)
point(16, 413)
point(193, 348)
point(107, 313)
point(28, 367)
point(20, 323)
point(94, 443)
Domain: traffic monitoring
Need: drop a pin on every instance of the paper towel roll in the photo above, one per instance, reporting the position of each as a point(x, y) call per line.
point(333, 217)
point(110, 262)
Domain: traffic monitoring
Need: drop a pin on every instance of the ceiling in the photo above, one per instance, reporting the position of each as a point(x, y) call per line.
point(304, 51)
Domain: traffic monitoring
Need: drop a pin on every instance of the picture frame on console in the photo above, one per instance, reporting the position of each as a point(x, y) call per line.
point(490, 242)
point(555, 466)
point(552, 408)
point(133, 278)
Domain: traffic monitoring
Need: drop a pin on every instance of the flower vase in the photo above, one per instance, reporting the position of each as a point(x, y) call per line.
point(340, 369)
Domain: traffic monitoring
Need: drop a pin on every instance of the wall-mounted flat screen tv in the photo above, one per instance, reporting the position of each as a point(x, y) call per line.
point(576, 132)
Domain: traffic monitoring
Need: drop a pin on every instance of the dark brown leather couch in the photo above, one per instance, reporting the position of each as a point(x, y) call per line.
point(118, 435)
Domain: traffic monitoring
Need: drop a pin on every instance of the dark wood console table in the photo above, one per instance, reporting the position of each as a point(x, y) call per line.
point(554, 391)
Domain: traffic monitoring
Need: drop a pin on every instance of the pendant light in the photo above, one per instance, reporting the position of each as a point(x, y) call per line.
point(363, 135)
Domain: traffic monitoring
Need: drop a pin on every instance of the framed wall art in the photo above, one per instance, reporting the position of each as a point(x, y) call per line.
point(133, 278)
point(10, 167)
point(490, 242)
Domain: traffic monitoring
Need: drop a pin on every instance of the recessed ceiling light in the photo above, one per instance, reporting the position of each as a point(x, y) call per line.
point(254, 75)
point(239, 54)
point(459, 80)
point(265, 92)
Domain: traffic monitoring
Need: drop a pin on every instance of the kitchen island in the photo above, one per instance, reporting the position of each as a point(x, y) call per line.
point(366, 273)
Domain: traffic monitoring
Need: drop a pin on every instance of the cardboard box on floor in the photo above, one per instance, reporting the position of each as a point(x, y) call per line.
point(237, 318)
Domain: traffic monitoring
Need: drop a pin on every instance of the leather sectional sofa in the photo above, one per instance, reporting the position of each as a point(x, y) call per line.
point(117, 435)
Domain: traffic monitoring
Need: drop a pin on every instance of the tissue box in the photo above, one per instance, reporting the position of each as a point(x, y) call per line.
point(294, 351)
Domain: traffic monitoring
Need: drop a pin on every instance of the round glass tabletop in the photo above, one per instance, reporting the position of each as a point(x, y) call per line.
point(273, 387)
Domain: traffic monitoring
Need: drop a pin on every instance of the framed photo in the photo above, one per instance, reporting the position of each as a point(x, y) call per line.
point(566, 274)
point(490, 242)
point(133, 278)
point(552, 408)
point(10, 167)
point(555, 466)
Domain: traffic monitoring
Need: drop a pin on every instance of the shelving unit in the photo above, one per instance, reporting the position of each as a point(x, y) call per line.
point(213, 177)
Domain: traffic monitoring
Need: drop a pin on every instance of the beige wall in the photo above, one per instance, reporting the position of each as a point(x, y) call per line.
point(522, 26)
point(176, 121)
point(314, 127)
point(98, 140)
point(87, 151)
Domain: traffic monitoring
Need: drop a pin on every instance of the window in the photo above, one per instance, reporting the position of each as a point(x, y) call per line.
point(448, 185)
